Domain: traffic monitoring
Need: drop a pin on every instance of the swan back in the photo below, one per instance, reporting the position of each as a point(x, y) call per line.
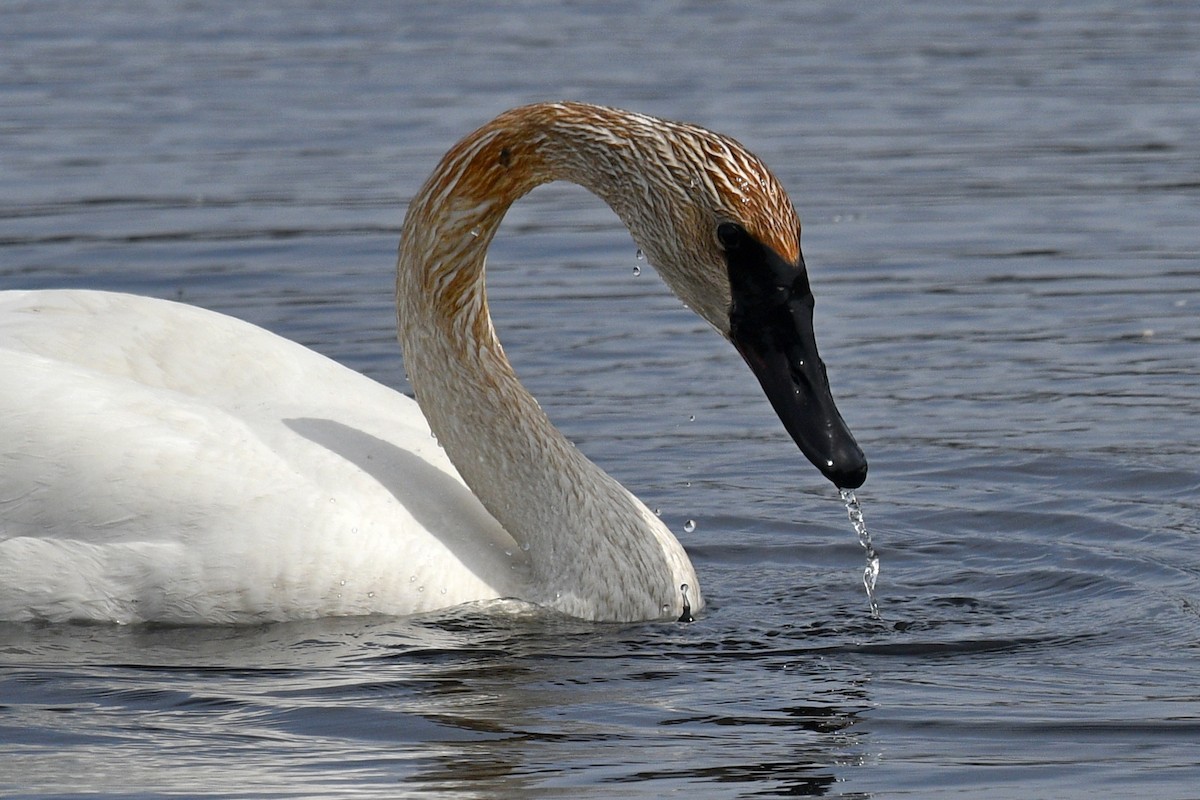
point(163, 462)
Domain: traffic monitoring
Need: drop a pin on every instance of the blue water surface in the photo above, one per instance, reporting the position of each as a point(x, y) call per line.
point(1000, 205)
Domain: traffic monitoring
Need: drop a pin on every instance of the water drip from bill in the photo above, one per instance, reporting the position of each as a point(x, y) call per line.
point(871, 571)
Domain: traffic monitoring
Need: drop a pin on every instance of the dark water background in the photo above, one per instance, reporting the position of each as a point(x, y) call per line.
point(1001, 206)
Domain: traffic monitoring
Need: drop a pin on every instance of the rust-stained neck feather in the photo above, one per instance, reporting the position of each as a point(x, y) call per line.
point(671, 183)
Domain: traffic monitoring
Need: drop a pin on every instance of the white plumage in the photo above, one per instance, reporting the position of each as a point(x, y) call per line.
point(163, 462)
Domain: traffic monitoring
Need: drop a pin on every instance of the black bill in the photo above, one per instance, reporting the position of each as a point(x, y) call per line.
point(771, 325)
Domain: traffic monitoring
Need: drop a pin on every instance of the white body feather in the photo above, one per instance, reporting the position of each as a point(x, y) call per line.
point(162, 462)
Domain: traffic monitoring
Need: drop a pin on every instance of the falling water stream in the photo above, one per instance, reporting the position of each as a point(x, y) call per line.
point(871, 571)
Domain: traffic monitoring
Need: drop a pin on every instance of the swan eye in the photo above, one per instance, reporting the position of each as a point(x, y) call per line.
point(731, 235)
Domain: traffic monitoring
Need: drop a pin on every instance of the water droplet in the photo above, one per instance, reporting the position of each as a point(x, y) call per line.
point(508, 553)
point(524, 547)
point(412, 579)
point(343, 583)
point(686, 616)
point(688, 527)
point(475, 232)
point(691, 418)
point(370, 594)
point(871, 571)
point(636, 270)
point(443, 590)
point(640, 255)
point(658, 512)
point(420, 588)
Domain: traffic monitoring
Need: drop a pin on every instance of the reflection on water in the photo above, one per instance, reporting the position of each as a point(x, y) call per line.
point(499, 703)
point(554, 695)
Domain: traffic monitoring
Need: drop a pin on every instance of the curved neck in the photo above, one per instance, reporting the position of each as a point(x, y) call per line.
point(593, 549)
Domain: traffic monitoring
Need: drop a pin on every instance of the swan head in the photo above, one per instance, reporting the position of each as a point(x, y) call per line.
point(708, 215)
point(771, 325)
point(728, 243)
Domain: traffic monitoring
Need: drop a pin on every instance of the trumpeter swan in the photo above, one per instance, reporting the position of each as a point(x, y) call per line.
point(159, 462)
